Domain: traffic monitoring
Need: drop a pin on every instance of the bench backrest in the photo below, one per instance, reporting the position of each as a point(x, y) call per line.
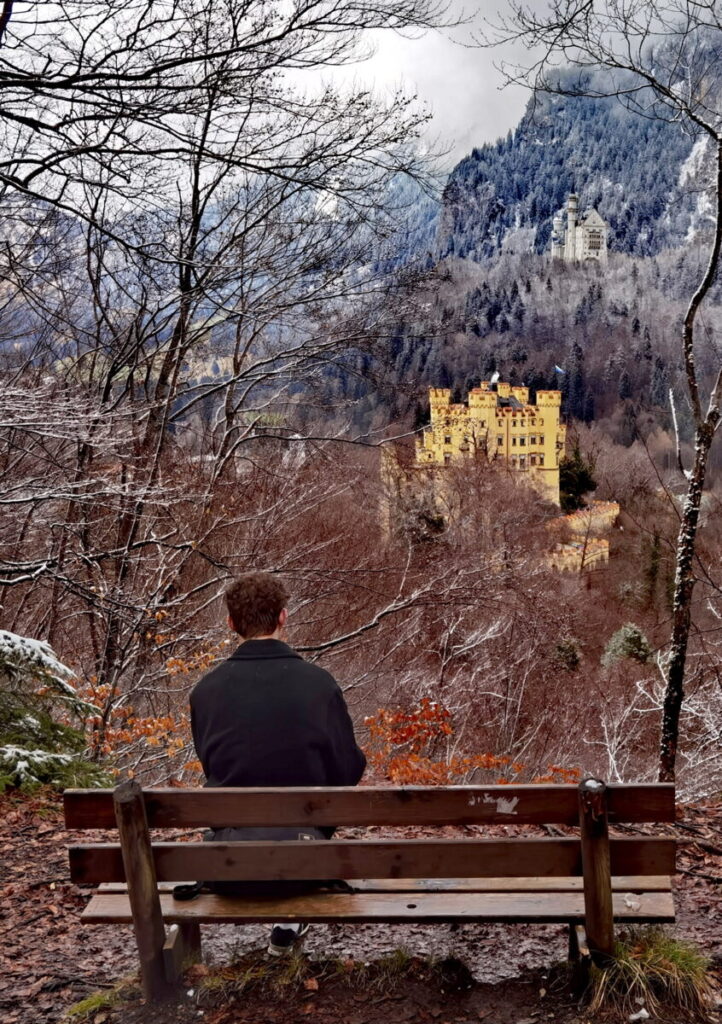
point(523, 856)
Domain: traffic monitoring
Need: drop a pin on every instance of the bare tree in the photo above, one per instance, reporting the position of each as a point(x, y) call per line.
point(662, 60)
point(190, 223)
point(112, 98)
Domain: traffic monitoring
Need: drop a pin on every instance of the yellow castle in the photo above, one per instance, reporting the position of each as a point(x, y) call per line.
point(499, 422)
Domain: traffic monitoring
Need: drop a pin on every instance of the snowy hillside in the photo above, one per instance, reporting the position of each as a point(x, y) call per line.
point(641, 175)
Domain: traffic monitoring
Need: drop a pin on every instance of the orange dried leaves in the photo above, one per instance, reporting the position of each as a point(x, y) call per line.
point(402, 745)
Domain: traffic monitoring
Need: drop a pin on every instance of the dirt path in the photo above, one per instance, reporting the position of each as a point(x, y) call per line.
point(47, 962)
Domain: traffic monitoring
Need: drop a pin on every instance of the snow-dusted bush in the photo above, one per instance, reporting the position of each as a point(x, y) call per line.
point(627, 642)
point(39, 714)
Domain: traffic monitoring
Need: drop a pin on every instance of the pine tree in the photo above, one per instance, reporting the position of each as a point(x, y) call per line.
point(576, 478)
point(628, 642)
point(38, 703)
point(659, 385)
point(577, 382)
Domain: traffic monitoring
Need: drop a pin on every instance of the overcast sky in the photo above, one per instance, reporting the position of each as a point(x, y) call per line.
point(460, 84)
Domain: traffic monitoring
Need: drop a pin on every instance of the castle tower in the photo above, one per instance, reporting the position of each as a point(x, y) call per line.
point(439, 398)
point(557, 241)
point(570, 242)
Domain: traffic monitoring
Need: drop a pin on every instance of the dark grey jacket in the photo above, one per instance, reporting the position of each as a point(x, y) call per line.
point(266, 717)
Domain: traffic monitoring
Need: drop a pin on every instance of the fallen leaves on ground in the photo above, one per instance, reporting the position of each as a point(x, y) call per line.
point(48, 962)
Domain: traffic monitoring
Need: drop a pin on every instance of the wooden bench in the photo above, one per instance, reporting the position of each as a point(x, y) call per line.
point(586, 880)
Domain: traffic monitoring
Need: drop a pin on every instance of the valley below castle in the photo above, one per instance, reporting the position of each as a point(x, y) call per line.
point(273, 373)
point(458, 424)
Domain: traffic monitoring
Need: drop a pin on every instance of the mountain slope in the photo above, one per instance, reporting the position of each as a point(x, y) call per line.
point(636, 172)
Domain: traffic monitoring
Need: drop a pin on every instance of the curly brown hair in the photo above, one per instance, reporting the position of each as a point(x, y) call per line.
point(255, 602)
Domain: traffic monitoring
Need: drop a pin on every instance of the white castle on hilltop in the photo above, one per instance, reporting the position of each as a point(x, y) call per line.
point(582, 239)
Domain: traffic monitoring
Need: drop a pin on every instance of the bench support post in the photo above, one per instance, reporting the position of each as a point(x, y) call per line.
point(142, 888)
point(183, 943)
point(598, 910)
point(579, 959)
point(191, 939)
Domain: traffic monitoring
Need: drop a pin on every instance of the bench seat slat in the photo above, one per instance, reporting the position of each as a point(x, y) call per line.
point(371, 805)
point(620, 883)
point(412, 858)
point(114, 908)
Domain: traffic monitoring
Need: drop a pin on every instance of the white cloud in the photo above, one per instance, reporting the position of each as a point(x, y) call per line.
point(458, 83)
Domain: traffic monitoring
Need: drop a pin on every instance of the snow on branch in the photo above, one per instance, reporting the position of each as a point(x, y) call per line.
point(23, 659)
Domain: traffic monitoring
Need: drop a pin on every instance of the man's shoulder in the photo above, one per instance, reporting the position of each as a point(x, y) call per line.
point(296, 666)
point(217, 676)
point(319, 675)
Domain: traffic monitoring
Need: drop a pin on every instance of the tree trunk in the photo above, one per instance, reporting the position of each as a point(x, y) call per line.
point(682, 608)
point(684, 578)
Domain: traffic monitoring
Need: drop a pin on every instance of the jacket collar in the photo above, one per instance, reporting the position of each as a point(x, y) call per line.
point(252, 649)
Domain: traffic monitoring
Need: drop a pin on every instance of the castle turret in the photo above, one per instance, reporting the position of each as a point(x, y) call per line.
point(482, 399)
point(558, 237)
point(570, 242)
point(439, 398)
point(548, 399)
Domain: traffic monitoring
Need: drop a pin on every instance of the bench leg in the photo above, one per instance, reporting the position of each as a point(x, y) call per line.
point(182, 944)
point(140, 875)
point(579, 958)
point(191, 933)
point(573, 944)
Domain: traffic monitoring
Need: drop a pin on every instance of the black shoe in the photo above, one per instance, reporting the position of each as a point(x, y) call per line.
point(283, 938)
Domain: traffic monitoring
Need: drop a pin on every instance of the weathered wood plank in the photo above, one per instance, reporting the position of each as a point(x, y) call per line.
point(622, 883)
point(108, 908)
point(503, 858)
point(629, 884)
point(370, 805)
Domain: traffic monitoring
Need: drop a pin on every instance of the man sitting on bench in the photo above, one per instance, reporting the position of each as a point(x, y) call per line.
point(265, 717)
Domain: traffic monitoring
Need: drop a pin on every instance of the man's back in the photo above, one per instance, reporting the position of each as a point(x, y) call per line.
point(266, 717)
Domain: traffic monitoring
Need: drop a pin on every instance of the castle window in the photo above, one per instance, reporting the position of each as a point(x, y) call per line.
point(500, 440)
point(447, 458)
point(541, 459)
point(513, 461)
point(532, 460)
point(522, 442)
point(532, 439)
point(513, 441)
point(447, 439)
point(541, 439)
point(594, 240)
point(483, 423)
point(522, 462)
